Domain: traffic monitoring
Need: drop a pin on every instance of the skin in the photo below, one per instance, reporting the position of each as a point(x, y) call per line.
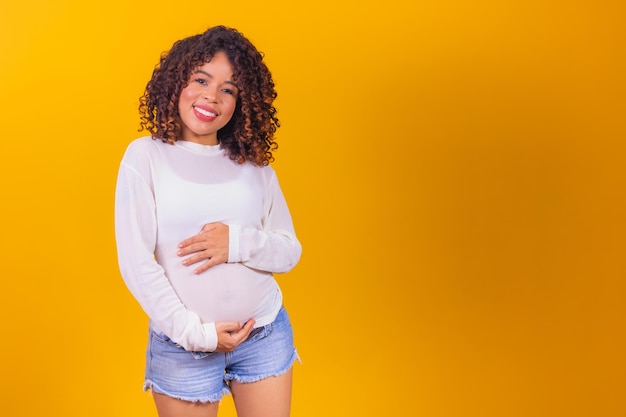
point(270, 397)
point(210, 246)
point(210, 89)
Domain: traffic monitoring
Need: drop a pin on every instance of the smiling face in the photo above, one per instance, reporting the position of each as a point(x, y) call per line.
point(208, 101)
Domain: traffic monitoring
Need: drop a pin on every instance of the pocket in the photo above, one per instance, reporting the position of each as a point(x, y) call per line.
point(163, 339)
point(200, 355)
point(165, 342)
point(260, 333)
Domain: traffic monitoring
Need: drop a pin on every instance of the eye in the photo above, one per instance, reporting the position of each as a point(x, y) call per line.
point(201, 81)
point(229, 91)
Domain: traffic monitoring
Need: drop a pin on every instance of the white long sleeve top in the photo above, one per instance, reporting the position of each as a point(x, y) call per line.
point(165, 194)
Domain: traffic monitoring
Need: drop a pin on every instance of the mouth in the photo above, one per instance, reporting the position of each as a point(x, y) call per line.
point(204, 114)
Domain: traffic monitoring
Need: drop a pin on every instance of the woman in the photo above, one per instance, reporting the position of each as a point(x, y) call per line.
point(201, 226)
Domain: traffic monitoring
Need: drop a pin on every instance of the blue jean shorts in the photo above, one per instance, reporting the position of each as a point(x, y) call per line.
point(205, 376)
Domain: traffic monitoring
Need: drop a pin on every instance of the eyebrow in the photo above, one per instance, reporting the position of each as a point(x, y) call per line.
point(211, 76)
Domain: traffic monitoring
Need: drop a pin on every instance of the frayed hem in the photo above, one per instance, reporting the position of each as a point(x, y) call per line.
point(256, 378)
point(151, 386)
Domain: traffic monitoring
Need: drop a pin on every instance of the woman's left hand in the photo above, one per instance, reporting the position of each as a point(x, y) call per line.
point(211, 244)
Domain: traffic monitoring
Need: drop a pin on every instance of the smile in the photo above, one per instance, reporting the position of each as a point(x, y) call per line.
point(204, 112)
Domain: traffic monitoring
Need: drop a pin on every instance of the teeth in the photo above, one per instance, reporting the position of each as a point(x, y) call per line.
point(205, 113)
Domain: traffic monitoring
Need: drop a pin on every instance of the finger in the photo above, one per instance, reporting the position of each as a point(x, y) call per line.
point(215, 260)
point(249, 326)
point(212, 259)
point(203, 267)
point(191, 247)
point(190, 241)
point(202, 253)
point(186, 251)
point(230, 326)
point(243, 333)
point(202, 256)
point(200, 237)
point(208, 227)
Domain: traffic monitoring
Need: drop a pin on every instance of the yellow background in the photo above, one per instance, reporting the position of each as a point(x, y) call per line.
point(455, 170)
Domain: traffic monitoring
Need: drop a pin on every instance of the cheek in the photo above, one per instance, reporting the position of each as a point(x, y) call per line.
point(185, 97)
point(231, 109)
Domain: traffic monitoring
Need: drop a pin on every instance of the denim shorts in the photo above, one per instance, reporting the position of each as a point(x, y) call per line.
point(205, 376)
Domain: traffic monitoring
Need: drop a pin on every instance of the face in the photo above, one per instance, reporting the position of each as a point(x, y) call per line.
point(208, 101)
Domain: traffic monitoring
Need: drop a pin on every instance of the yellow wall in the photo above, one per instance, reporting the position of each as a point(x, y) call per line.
point(455, 170)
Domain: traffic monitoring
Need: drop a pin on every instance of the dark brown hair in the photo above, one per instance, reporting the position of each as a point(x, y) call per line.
point(249, 136)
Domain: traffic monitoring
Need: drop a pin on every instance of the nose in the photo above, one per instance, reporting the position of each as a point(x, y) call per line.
point(209, 94)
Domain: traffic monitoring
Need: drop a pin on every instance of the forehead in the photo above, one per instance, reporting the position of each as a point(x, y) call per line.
point(219, 63)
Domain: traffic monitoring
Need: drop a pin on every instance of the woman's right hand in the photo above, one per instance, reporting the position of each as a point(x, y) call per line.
point(231, 333)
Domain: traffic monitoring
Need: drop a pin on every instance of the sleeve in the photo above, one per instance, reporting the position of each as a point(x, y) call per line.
point(274, 248)
point(135, 233)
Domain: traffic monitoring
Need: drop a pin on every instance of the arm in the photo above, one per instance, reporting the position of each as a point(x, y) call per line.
point(136, 231)
point(275, 247)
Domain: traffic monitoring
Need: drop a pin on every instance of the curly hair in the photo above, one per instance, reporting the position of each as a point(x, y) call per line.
point(249, 135)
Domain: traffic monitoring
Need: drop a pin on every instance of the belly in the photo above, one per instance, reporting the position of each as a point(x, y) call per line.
point(225, 292)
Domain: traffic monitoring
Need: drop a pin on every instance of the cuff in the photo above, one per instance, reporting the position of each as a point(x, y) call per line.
point(211, 336)
point(234, 231)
